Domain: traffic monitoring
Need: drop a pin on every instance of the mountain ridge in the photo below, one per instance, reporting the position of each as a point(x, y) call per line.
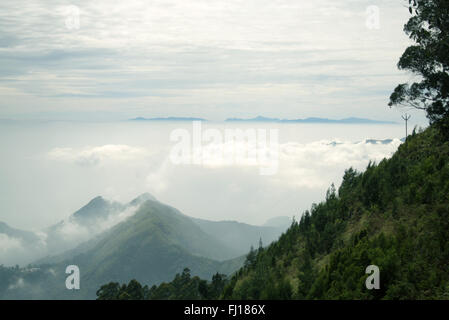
point(348, 120)
point(150, 245)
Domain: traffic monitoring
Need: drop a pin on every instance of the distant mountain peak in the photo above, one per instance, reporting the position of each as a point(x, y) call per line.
point(97, 199)
point(142, 198)
point(95, 202)
point(96, 207)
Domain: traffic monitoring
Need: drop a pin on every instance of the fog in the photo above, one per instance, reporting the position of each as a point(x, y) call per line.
point(50, 169)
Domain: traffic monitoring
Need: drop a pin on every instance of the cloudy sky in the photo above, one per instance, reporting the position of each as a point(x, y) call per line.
point(110, 60)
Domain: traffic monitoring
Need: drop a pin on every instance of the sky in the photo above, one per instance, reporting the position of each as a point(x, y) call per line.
point(114, 60)
point(88, 65)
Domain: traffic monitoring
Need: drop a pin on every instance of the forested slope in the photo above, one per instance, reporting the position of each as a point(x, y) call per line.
point(394, 215)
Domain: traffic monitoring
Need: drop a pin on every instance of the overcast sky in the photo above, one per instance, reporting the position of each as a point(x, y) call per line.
point(207, 58)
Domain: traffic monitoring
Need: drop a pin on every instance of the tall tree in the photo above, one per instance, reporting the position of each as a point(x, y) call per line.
point(250, 257)
point(109, 291)
point(428, 58)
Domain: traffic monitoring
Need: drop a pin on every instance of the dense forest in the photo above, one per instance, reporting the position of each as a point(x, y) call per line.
point(183, 287)
point(394, 215)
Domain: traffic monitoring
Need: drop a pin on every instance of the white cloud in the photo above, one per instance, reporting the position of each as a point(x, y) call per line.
point(215, 58)
point(91, 156)
point(117, 218)
point(305, 167)
point(20, 251)
point(312, 165)
point(9, 244)
point(308, 165)
point(239, 192)
point(71, 231)
point(20, 283)
point(74, 233)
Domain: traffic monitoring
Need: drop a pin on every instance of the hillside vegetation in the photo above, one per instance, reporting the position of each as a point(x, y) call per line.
point(395, 215)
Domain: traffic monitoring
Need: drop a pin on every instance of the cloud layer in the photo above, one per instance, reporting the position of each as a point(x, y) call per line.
point(206, 58)
point(216, 191)
point(8, 244)
point(238, 190)
point(92, 156)
point(50, 170)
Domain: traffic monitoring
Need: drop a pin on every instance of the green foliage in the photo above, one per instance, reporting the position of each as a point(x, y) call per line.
point(251, 258)
point(393, 215)
point(113, 291)
point(429, 59)
point(182, 287)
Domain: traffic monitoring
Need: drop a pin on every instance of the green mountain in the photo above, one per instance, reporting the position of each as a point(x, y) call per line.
point(395, 215)
point(90, 220)
point(67, 235)
point(143, 239)
point(150, 246)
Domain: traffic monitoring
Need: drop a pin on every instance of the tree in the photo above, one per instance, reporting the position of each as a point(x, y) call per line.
point(217, 285)
point(250, 257)
point(109, 291)
point(135, 290)
point(429, 59)
point(260, 245)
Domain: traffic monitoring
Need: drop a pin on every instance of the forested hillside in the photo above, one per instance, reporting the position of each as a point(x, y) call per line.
point(182, 287)
point(394, 215)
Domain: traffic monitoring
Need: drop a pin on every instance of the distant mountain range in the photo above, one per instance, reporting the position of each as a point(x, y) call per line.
point(168, 119)
point(368, 141)
point(351, 120)
point(312, 120)
point(143, 239)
